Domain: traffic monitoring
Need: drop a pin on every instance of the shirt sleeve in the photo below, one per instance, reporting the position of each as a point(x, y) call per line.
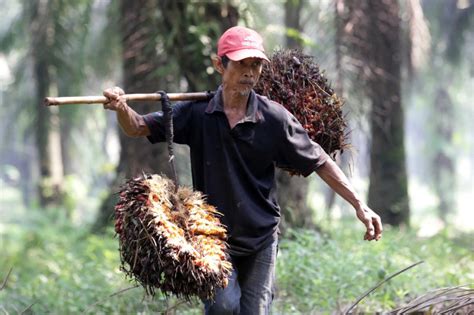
point(181, 124)
point(297, 152)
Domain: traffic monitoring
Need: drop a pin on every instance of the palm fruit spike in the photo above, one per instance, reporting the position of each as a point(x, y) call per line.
point(178, 249)
point(294, 80)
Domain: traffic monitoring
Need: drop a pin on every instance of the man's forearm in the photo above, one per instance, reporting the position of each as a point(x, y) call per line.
point(132, 123)
point(337, 180)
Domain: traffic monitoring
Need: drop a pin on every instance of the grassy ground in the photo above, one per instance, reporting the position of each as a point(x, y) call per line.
point(58, 268)
point(326, 274)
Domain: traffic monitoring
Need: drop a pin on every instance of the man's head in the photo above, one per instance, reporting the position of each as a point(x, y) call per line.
point(240, 54)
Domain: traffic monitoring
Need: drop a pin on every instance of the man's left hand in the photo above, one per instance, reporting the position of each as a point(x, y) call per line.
point(372, 223)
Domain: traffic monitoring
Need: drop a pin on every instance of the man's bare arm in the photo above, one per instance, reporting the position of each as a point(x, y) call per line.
point(132, 123)
point(337, 180)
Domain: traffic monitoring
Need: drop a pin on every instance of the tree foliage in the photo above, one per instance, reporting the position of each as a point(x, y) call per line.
point(75, 47)
point(46, 51)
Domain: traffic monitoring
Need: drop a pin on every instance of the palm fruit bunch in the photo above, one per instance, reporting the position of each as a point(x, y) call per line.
point(294, 80)
point(170, 239)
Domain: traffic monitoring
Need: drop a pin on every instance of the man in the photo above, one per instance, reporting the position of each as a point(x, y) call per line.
point(236, 140)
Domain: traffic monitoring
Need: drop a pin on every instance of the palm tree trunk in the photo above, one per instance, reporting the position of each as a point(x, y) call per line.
point(374, 35)
point(140, 29)
point(293, 190)
point(388, 189)
point(48, 137)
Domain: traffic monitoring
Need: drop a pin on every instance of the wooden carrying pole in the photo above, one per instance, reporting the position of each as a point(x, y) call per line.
point(50, 101)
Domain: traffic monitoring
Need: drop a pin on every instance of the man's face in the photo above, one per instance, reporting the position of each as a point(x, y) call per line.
point(241, 76)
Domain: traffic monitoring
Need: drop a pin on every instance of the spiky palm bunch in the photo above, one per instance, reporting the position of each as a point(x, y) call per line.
point(170, 239)
point(294, 80)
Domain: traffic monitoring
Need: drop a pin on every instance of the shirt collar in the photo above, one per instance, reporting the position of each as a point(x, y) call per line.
point(252, 114)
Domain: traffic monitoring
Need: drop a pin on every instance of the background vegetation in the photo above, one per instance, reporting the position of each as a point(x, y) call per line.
point(405, 69)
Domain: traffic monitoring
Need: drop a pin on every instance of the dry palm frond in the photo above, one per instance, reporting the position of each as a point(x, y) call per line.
point(363, 296)
point(4, 283)
point(453, 300)
point(171, 239)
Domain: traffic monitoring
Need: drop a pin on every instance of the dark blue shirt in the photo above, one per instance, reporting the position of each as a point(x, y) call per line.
point(235, 168)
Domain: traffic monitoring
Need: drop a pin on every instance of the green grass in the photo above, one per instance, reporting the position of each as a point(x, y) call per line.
point(322, 274)
point(59, 268)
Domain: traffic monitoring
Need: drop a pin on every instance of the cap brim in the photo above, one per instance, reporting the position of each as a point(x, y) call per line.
point(246, 53)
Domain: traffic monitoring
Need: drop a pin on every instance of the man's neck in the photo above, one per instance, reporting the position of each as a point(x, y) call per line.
point(234, 101)
point(235, 106)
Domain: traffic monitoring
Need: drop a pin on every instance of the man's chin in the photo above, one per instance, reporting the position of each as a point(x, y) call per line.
point(245, 92)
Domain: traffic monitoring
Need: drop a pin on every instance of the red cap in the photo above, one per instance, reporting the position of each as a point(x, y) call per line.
point(239, 42)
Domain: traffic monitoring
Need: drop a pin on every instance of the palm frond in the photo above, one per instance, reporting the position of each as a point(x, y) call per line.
point(441, 301)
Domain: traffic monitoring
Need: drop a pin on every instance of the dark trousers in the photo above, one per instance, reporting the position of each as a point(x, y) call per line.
point(250, 288)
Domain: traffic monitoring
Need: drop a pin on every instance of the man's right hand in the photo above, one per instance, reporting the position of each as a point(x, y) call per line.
point(114, 97)
point(132, 123)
